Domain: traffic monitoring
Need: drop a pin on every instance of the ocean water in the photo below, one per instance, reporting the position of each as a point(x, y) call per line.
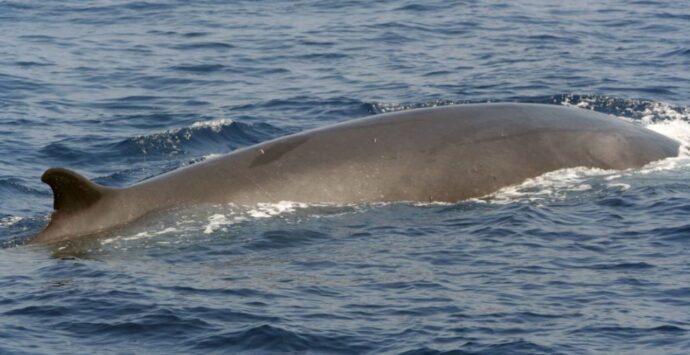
point(577, 261)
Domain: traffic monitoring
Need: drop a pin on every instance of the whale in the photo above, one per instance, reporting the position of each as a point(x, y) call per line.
point(441, 154)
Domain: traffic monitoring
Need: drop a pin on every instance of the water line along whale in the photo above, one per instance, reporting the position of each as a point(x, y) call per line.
point(449, 154)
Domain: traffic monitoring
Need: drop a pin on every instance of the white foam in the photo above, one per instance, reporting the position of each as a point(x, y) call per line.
point(265, 210)
point(214, 125)
point(581, 103)
point(211, 156)
point(664, 111)
point(140, 235)
point(675, 124)
point(553, 184)
point(9, 220)
point(215, 222)
point(239, 214)
point(170, 138)
point(677, 129)
point(221, 221)
point(432, 204)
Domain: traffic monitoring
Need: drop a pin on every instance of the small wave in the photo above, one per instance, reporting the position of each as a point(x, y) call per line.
point(14, 185)
point(560, 184)
point(203, 223)
point(29, 64)
point(214, 125)
point(200, 68)
point(195, 34)
point(201, 136)
point(511, 347)
point(220, 221)
point(301, 111)
point(16, 230)
point(623, 332)
point(204, 45)
point(648, 111)
point(261, 210)
point(11, 86)
point(8, 221)
point(64, 152)
point(189, 222)
point(113, 11)
point(270, 339)
point(265, 210)
point(280, 239)
point(387, 107)
point(682, 52)
point(619, 266)
point(414, 8)
point(552, 185)
point(141, 235)
point(660, 111)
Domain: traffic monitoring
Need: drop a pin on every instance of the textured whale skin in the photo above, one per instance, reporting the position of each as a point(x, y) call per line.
point(448, 154)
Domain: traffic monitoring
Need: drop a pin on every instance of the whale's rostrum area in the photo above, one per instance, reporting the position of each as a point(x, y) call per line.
point(443, 154)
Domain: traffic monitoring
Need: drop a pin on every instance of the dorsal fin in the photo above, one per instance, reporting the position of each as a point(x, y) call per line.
point(71, 191)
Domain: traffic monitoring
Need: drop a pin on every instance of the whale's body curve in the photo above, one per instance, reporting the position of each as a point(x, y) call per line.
point(448, 153)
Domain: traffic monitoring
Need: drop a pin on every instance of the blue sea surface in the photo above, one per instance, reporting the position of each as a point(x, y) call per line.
point(575, 262)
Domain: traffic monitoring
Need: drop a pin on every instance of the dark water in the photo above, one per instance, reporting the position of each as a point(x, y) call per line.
point(578, 261)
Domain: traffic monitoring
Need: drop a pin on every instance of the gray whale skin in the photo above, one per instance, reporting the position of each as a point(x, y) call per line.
point(448, 153)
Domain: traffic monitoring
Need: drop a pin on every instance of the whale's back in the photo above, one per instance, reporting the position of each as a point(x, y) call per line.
point(440, 154)
point(444, 154)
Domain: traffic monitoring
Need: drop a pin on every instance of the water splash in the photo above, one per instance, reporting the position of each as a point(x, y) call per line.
point(214, 125)
point(553, 185)
point(10, 221)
